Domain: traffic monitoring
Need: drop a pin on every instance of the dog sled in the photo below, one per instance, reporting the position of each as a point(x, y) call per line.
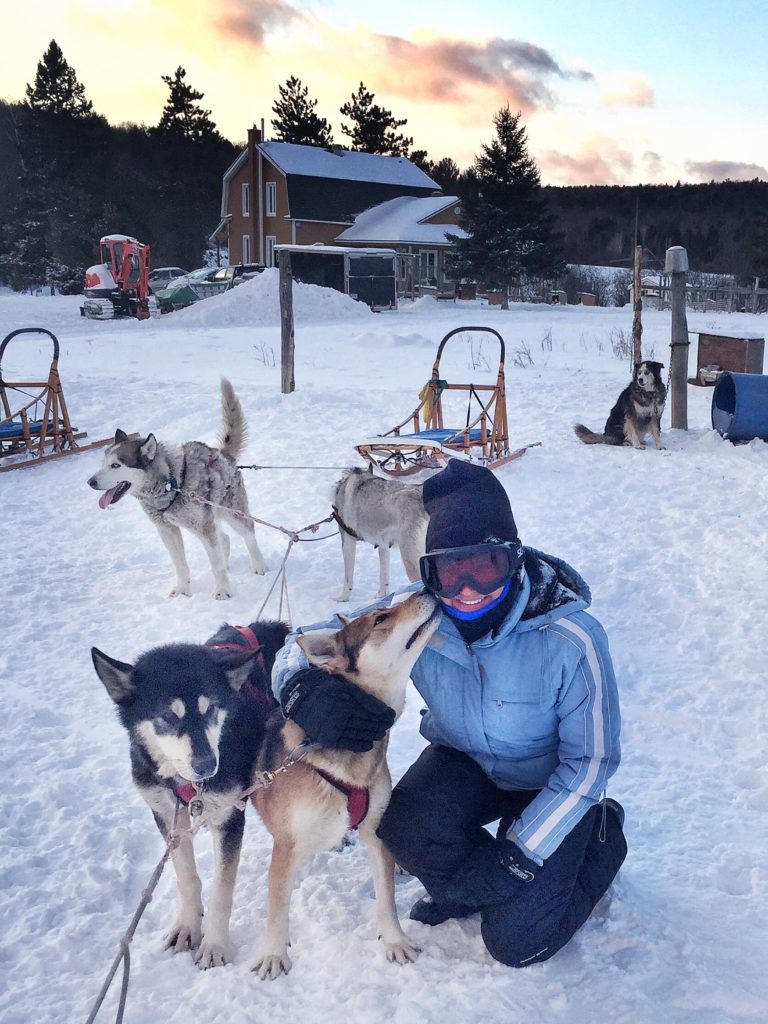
point(34, 422)
point(410, 448)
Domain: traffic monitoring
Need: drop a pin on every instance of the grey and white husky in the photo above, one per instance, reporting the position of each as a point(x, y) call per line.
point(195, 715)
point(384, 513)
point(192, 487)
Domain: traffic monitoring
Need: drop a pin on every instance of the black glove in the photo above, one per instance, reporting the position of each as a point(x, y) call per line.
point(514, 861)
point(333, 712)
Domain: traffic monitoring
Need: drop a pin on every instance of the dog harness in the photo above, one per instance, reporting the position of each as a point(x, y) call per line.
point(358, 797)
point(252, 644)
point(343, 526)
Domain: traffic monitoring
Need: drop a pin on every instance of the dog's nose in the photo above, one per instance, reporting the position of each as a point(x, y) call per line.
point(92, 482)
point(204, 765)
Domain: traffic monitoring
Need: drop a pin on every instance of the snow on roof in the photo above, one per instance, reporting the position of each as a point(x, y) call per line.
point(404, 220)
point(318, 162)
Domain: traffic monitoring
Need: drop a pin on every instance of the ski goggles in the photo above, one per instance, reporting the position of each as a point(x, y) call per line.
point(482, 567)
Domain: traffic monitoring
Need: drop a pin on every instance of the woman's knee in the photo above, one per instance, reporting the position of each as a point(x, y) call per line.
point(513, 944)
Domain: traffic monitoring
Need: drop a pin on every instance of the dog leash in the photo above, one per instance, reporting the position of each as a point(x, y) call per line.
point(266, 778)
point(124, 955)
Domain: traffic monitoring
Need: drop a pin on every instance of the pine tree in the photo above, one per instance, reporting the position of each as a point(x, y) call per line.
point(296, 120)
point(510, 230)
point(373, 128)
point(56, 89)
point(182, 117)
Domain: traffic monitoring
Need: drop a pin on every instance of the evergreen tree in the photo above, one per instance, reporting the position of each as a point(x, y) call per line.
point(56, 89)
point(295, 118)
point(373, 128)
point(509, 229)
point(182, 117)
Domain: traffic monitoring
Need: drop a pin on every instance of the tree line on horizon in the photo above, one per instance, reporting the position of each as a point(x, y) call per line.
point(67, 177)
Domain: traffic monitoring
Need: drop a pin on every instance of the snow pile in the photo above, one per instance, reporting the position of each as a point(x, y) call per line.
point(258, 302)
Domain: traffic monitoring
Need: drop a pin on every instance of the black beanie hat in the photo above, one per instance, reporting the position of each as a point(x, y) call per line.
point(466, 505)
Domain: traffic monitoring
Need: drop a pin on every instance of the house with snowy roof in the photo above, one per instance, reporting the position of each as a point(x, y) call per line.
point(278, 193)
point(416, 227)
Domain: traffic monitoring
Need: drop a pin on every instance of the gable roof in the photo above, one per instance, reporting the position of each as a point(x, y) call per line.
point(354, 180)
point(404, 219)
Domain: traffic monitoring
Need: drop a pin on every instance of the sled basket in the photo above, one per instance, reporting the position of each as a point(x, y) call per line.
point(484, 438)
point(34, 421)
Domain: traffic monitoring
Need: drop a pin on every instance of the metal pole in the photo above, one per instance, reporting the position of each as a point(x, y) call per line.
point(676, 265)
point(288, 383)
point(637, 321)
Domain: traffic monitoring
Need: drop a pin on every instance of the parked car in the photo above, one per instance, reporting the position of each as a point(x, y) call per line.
point(161, 277)
point(203, 283)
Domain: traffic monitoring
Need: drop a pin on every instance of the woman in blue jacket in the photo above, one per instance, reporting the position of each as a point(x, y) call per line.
point(523, 726)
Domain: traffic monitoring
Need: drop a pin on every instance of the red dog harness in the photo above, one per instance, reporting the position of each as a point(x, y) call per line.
point(252, 644)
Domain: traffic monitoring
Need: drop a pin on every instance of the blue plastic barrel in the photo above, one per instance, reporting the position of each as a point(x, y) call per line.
point(740, 406)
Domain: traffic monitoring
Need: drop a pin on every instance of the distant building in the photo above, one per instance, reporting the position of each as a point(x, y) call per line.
point(277, 193)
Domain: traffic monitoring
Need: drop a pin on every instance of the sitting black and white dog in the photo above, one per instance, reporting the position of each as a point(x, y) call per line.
point(636, 413)
point(195, 715)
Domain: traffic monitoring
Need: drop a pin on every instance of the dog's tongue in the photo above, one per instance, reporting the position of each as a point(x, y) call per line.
point(107, 497)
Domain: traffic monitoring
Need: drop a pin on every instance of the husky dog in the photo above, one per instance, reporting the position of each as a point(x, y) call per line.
point(637, 411)
point(195, 716)
point(168, 479)
point(309, 807)
point(383, 513)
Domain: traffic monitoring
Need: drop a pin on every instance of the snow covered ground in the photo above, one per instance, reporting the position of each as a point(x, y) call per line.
point(672, 544)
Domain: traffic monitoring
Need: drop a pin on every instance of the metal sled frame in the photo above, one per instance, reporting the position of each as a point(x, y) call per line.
point(484, 438)
point(39, 438)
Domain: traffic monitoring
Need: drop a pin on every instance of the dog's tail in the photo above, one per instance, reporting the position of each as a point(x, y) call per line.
point(588, 436)
point(234, 430)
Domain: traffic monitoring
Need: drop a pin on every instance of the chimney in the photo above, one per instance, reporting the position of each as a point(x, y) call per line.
point(254, 136)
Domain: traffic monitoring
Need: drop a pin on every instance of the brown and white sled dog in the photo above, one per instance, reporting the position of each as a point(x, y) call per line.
point(167, 478)
point(308, 808)
point(636, 413)
point(384, 513)
point(195, 715)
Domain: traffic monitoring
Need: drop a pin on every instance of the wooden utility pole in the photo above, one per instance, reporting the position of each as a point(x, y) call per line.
point(676, 264)
point(288, 383)
point(637, 321)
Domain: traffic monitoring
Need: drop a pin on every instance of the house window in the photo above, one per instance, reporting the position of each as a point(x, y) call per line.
point(271, 199)
point(428, 266)
point(246, 248)
point(271, 241)
point(246, 189)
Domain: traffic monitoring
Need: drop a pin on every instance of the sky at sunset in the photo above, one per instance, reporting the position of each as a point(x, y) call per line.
point(611, 91)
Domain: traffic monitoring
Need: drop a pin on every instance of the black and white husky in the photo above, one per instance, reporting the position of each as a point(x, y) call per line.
point(195, 716)
point(192, 487)
point(637, 411)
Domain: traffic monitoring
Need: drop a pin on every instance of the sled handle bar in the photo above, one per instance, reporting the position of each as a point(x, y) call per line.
point(29, 330)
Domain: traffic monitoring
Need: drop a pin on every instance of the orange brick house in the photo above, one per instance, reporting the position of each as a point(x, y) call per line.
point(278, 193)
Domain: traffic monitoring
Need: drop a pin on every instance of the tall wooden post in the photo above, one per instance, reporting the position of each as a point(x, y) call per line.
point(637, 320)
point(288, 383)
point(676, 264)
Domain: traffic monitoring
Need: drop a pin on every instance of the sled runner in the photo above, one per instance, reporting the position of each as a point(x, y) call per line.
point(34, 422)
point(484, 438)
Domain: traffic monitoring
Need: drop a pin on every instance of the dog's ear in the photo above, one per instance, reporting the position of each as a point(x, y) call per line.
point(149, 448)
point(237, 665)
point(120, 435)
point(117, 676)
point(321, 649)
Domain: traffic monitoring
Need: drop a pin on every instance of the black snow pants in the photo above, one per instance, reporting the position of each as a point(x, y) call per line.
point(434, 829)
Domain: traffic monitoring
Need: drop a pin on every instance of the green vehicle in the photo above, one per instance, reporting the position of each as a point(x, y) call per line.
point(203, 283)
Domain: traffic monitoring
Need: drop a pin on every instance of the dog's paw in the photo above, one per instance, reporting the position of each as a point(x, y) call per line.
point(221, 594)
point(343, 595)
point(401, 952)
point(183, 936)
point(272, 965)
point(178, 591)
point(211, 954)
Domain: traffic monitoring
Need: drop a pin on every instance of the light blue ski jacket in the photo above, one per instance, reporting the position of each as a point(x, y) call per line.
point(535, 703)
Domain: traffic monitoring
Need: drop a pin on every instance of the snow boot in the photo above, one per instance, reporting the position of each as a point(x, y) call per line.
point(430, 911)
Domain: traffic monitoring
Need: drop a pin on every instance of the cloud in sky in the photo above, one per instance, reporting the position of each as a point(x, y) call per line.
point(628, 90)
point(602, 162)
point(451, 70)
point(251, 20)
point(719, 170)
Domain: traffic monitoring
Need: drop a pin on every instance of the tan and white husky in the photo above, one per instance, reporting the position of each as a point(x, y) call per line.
point(309, 807)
